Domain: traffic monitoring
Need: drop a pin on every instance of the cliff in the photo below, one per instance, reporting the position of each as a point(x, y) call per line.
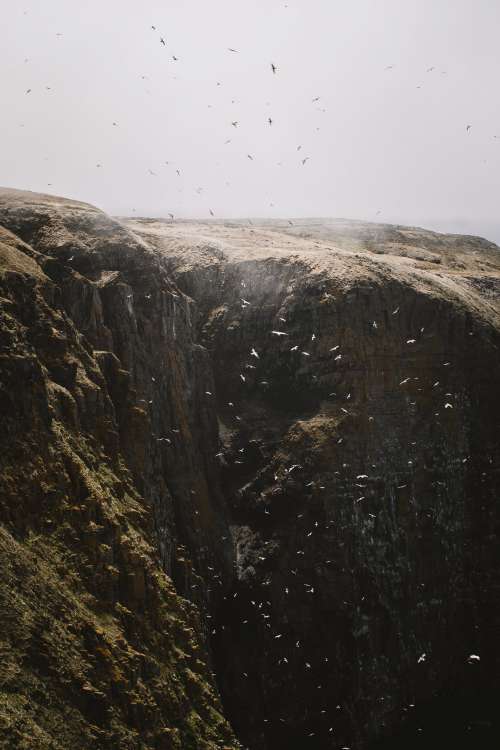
point(249, 472)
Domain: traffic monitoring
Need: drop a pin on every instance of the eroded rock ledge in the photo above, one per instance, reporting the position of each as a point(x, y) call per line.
point(249, 473)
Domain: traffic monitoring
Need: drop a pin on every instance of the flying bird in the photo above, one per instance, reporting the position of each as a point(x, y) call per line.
point(468, 128)
point(230, 49)
point(162, 41)
point(211, 212)
point(279, 333)
point(274, 68)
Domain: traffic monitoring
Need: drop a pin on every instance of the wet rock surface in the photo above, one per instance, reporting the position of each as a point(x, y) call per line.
point(249, 476)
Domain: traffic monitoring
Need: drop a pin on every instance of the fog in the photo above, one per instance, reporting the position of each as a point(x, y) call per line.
point(95, 107)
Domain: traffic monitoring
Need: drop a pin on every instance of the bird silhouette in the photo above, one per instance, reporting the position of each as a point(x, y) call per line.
point(274, 68)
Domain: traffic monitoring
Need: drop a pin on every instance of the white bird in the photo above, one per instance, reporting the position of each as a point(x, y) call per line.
point(306, 354)
point(243, 378)
point(395, 312)
point(448, 406)
point(422, 658)
point(404, 381)
point(253, 353)
point(208, 393)
point(374, 324)
point(294, 348)
point(411, 341)
point(334, 348)
point(279, 333)
point(245, 301)
point(313, 337)
point(474, 657)
point(339, 356)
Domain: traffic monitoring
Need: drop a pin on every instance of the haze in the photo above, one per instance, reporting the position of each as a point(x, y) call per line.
point(398, 82)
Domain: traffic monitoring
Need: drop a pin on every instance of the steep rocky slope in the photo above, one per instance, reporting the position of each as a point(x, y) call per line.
point(260, 460)
point(357, 370)
point(105, 480)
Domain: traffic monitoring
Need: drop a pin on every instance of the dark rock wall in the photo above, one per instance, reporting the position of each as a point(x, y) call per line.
point(308, 521)
point(361, 465)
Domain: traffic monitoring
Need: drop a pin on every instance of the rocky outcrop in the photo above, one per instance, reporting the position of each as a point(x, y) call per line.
point(248, 472)
point(357, 371)
point(108, 491)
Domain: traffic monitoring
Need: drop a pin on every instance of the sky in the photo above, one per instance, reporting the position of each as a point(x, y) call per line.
point(376, 96)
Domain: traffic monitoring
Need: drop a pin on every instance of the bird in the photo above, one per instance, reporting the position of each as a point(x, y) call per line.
point(411, 341)
point(250, 157)
point(316, 99)
point(243, 378)
point(274, 68)
point(235, 123)
point(253, 353)
point(175, 58)
point(304, 160)
point(162, 41)
point(270, 121)
point(468, 128)
point(171, 216)
point(294, 348)
point(211, 212)
point(279, 333)
point(230, 49)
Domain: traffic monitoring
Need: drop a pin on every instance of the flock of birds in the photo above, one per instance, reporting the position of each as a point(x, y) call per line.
point(235, 123)
point(289, 651)
point(263, 607)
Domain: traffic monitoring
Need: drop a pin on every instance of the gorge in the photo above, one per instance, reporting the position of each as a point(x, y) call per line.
point(249, 478)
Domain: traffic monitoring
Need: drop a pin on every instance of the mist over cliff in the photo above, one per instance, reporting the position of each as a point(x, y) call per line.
point(249, 481)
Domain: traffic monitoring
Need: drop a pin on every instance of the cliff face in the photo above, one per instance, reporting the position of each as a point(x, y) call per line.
point(259, 457)
point(107, 484)
point(357, 371)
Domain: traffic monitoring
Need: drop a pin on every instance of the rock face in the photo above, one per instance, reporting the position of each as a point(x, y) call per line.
point(360, 460)
point(107, 484)
point(255, 460)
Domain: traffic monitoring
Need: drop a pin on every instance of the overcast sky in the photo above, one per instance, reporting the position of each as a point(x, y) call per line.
point(398, 83)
